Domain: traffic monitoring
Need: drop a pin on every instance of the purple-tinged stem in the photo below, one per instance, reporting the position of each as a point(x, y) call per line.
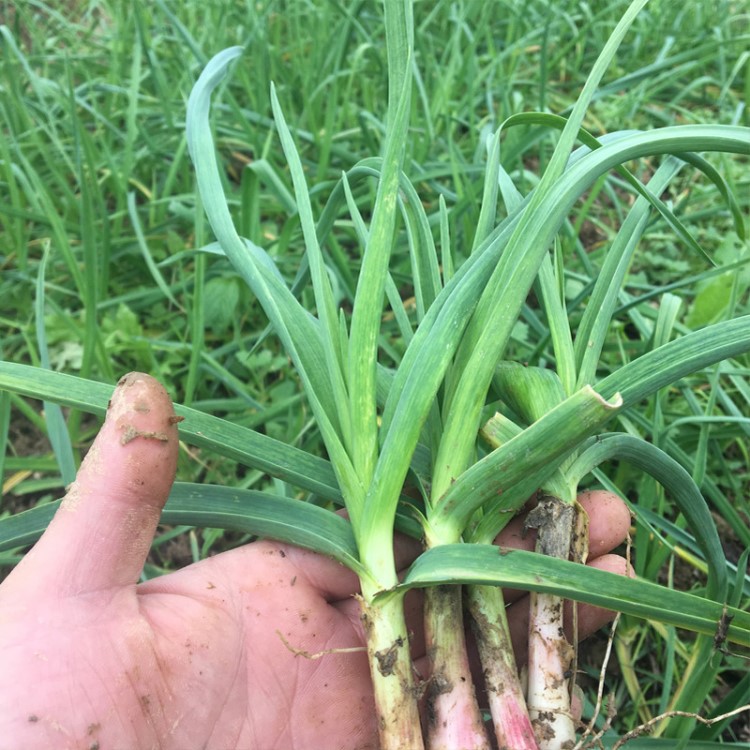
point(454, 721)
point(507, 704)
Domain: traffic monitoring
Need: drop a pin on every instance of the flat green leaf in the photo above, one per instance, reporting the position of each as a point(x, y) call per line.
point(299, 332)
point(550, 287)
point(701, 670)
point(672, 361)
point(496, 314)
point(528, 571)
point(264, 515)
point(321, 282)
point(674, 479)
point(650, 193)
point(368, 299)
point(299, 468)
point(212, 506)
point(595, 324)
point(505, 290)
point(486, 221)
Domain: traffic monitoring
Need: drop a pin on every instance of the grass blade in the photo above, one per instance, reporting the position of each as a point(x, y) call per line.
point(57, 430)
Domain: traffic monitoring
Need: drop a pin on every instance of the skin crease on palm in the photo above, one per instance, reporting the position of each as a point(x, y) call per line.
point(196, 658)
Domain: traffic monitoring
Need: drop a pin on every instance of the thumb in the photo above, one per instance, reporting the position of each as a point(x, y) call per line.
point(102, 532)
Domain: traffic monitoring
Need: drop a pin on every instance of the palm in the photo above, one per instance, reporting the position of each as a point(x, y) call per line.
point(198, 657)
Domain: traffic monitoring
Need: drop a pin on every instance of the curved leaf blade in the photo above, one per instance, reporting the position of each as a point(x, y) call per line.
point(212, 506)
point(677, 481)
point(672, 361)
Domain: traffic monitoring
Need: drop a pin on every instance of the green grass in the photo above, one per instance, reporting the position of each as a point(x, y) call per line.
point(94, 172)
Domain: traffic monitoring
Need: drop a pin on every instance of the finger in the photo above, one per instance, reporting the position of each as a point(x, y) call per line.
point(102, 532)
point(590, 618)
point(609, 521)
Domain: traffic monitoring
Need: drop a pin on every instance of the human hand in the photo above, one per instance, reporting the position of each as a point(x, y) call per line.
point(208, 656)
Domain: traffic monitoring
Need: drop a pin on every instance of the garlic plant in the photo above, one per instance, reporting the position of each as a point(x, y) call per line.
point(423, 418)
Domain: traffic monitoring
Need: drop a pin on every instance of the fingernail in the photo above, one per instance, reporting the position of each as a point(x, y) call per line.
point(118, 404)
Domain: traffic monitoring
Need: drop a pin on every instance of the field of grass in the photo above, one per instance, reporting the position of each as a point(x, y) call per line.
point(101, 231)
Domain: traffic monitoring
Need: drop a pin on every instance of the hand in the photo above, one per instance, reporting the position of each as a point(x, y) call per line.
point(203, 657)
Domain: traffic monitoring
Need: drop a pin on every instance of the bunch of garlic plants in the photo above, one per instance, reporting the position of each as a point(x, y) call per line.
point(373, 420)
